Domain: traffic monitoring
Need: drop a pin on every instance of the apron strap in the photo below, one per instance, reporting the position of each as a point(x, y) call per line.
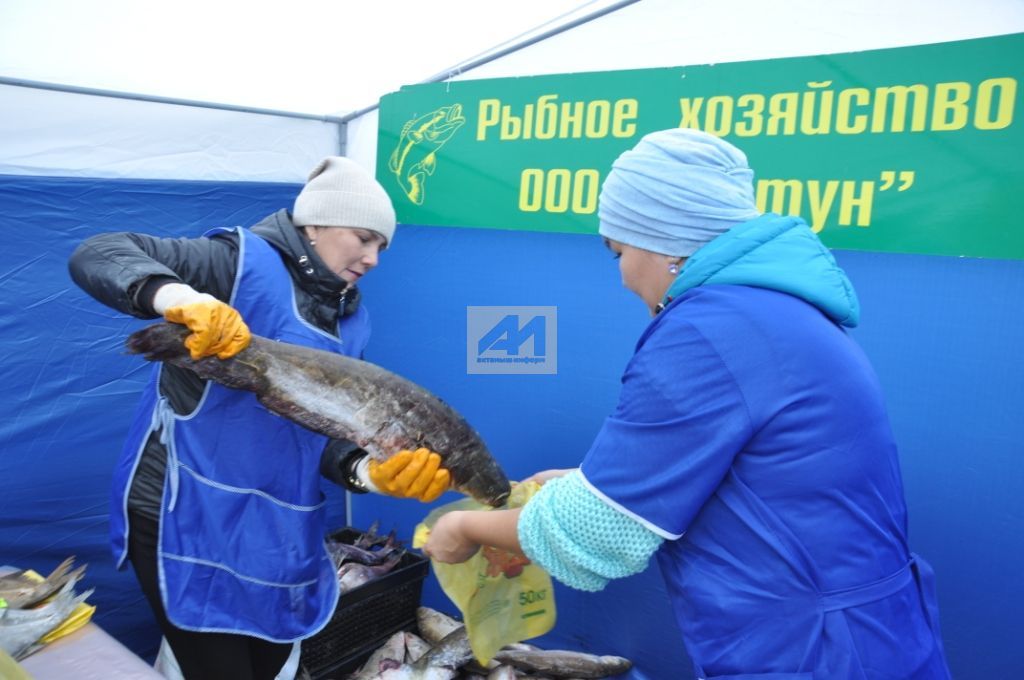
point(929, 597)
point(163, 422)
point(870, 592)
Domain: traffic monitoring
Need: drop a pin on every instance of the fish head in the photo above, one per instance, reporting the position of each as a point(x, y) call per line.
point(419, 140)
point(444, 123)
point(491, 492)
point(483, 479)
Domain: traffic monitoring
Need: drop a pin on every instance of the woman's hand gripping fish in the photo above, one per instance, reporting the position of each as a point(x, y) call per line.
point(342, 398)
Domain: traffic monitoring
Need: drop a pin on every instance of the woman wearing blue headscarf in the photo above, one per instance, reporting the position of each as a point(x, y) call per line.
point(750, 450)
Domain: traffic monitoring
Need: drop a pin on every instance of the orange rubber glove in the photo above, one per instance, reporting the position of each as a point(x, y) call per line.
point(411, 474)
point(217, 328)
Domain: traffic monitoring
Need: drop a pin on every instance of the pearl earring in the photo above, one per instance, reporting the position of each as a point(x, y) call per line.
point(673, 268)
point(312, 241)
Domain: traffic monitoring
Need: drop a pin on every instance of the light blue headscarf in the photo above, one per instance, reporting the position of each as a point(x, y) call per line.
point(675, 191)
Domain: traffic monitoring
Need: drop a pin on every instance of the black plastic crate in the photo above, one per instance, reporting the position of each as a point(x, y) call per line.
point(366, 616)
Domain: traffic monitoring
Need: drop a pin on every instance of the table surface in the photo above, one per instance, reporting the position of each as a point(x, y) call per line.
point(89, 653)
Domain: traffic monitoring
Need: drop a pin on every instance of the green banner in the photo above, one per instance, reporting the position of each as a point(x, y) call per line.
point(911, 150)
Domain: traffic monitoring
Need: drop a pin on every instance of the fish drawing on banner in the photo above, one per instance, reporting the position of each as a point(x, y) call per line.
point(415, 156)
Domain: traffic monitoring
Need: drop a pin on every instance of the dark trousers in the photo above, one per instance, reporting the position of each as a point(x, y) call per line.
point(201, 656)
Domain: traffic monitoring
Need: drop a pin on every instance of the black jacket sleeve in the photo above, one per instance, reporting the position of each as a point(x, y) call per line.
point(338, 461)
point(115, 268)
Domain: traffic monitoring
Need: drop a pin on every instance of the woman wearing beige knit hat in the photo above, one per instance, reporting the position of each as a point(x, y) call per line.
point(232, 591)
point(340, 193)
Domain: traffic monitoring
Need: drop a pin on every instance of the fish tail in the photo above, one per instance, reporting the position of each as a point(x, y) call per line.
point(159, 342)
point(61, 569)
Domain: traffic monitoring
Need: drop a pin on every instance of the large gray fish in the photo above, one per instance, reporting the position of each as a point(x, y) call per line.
point(343, 398)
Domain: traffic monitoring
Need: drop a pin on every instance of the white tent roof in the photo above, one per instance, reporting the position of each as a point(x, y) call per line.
point(313, 56)
point(329, 58)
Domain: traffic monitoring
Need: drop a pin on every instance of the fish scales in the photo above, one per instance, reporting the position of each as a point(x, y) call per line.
point(434, 625)
point(20, 629)
point(440, 662)
point(415, 647)
point(564, 663)
point(343, 398)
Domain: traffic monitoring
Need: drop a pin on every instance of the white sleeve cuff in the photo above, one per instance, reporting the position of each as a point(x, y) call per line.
point(362, 470)
point(175, 295)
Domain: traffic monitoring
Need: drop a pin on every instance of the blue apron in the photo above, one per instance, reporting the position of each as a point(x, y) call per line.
point(819, 634)
point(241, 547)
point(751, 434)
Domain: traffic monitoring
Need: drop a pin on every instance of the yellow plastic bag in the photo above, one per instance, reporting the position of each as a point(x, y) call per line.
point(11, 669)
point(78, 617)
point(504, 598)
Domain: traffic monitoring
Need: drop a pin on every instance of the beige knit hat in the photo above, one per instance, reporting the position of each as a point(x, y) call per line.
point(340, 193)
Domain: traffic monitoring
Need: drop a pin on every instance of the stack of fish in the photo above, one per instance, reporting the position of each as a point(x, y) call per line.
point(31, 606)
point(368, 557)
point(443, 653)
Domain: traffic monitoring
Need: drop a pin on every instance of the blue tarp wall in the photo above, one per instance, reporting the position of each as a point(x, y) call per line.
point(944, 334)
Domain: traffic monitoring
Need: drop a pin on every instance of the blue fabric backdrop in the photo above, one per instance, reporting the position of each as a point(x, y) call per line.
point(944, 334)
point(69, 387)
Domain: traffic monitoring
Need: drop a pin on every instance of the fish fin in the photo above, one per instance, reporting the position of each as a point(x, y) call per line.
point(415, 192)
point(429, 164)
point(368, 536)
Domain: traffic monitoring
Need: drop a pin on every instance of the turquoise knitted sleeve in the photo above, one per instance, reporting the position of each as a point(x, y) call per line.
point(579, 539)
